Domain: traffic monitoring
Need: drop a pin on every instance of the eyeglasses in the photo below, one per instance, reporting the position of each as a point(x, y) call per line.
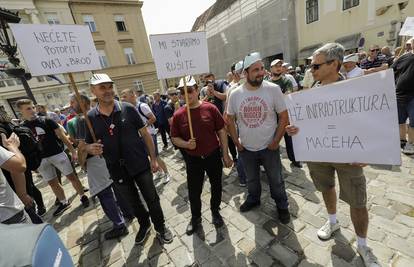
point(317, 66)
point(374, 50)
point(189, 90)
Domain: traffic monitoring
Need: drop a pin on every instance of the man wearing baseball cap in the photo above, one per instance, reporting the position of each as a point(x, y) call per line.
point(260, 111)
point(350, 66)
point(118, 128)
point(203, 151)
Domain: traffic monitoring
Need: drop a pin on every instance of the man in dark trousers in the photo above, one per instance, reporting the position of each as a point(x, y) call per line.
point(203, 152)
point(118, 128)
point(162, 122)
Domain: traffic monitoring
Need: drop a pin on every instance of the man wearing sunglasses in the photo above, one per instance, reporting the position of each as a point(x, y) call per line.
point(203, 152)
point(259, 108)
point(326, 64)
point(375, 61)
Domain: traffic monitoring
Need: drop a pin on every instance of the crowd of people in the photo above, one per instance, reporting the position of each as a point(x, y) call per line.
point(238, 121)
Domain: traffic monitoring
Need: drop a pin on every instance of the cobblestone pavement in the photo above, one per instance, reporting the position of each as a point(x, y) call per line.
point(254, 238)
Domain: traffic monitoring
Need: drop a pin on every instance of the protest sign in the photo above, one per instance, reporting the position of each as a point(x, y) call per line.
point(353, 121)
point(52, 49)
point(180, 54)
point(408, 27)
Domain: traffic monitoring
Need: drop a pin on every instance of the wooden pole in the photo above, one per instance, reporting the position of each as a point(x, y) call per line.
point(190, 124)
point(78, 98)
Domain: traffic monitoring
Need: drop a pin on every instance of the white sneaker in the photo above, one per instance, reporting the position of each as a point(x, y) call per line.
point(408, 149)
point(368, 257)
point(167, 178)
point(326, 231)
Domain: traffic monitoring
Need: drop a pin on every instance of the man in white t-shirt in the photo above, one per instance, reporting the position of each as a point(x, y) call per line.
point(350, 66)
point(256, 106)
point(145, 112)
point(11, 207)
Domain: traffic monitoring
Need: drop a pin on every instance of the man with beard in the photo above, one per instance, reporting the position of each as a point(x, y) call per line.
point(123, 140)
point(261, 114)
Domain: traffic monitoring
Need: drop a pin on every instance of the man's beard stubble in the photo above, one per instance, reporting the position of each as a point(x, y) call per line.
point(255, 83)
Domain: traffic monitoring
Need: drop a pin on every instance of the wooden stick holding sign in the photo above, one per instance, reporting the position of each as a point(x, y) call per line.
point(187, 107)
point(84, 111)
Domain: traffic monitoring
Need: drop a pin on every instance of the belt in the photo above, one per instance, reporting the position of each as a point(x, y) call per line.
point(205, 156)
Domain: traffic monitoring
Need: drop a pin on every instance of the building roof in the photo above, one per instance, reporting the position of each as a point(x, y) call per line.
point(218, 7)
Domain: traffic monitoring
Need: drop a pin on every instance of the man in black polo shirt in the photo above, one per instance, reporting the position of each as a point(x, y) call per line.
point(117, 127)
point(375, 61)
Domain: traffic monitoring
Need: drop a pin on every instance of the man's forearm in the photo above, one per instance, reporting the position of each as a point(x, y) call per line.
point(150, 144)
point(221, 96)
point(19, 181)
point(223, 141)
point(231, 127)
point(179, 142)
point(280, 131)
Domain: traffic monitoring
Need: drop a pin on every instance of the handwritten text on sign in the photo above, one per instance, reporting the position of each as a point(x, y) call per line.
point(52, 49)
point(347, 122)
point(408, 27)
point(180, 54)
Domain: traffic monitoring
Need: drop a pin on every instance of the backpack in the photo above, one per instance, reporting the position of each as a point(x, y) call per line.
point(29, 146)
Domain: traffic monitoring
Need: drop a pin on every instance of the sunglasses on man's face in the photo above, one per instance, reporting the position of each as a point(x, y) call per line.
point(318, 66)
point(374, 50)
point(189, 91)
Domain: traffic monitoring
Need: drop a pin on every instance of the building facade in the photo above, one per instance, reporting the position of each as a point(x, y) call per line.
point(356, 24)
point(121, 40)
point(53, 91)
point(237, 27)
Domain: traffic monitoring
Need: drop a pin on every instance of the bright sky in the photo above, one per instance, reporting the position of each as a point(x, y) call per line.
point(171, 16)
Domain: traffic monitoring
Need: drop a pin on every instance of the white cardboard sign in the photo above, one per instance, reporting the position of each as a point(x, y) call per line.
point(52, 49)
point(408, 27)
point(353, 121)
point(180, 54)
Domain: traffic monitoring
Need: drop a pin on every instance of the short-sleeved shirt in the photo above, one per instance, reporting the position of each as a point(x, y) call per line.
point(206, 120)
point(377, 62)
point(144, 112)
point(256, 113)
point(404, 78)
point(355, 72)
point(132, 145)
point(291, 79)
point(43, 129)
point(10, 204)
point(284, 83)
point(77, 127)
point(159, 112)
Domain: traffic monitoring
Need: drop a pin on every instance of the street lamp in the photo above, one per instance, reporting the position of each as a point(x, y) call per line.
point(9, 47)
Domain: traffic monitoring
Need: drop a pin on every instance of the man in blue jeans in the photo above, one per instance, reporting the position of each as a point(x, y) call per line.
point(255, 106)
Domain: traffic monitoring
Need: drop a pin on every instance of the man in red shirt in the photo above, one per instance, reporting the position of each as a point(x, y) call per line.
point(203, 152)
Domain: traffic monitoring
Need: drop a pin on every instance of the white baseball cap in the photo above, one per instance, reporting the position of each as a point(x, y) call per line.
point(189, 80)
point(276, 61)
point(285, 64)
point(99, 78)
point(351, 58)
point(239, 66)
point(250, 59)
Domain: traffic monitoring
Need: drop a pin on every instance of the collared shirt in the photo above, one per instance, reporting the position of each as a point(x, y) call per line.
point(355, 72)
point(124, 142)
point(377, 62)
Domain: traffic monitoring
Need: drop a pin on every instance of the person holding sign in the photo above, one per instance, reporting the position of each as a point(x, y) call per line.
point(118, 128)
point(203, 151)
point(257, 105)
point(325, 67)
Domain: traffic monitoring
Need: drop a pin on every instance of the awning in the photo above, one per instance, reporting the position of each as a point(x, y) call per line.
point(308, 51)
point(349, 41)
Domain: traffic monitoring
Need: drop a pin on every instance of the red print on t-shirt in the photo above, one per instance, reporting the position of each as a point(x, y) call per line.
point(253, 111)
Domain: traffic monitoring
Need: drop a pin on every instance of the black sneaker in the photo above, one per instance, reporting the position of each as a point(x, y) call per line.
point(246, 206)
point(85, 201)
point(297, 164)
point(61, 208)
point(217, 219)
point(41, 211)
point(284, 215)
point(192, 226)
point(165, 236)
point(116, 232)
point(143, 233)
